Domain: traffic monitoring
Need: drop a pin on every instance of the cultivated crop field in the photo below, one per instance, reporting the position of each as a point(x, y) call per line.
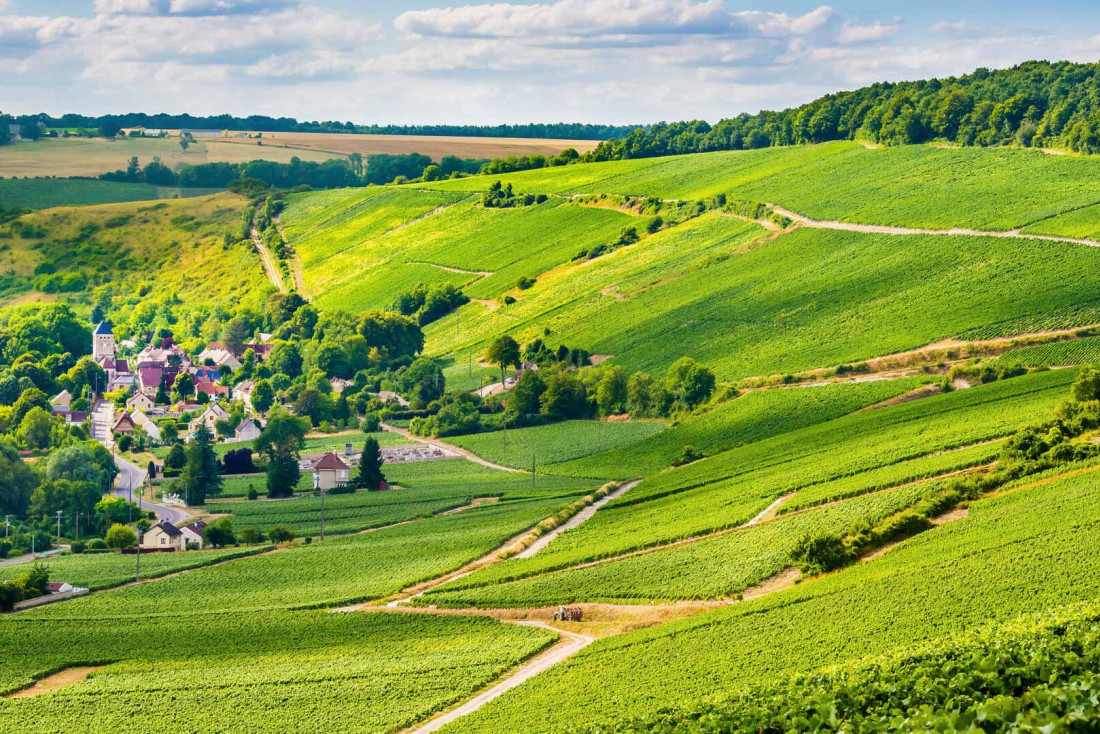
point(944, 581)
point(751, 417)
point(264, 672)
point(1073, 352)
point(425, 489)
point(731, 488)
point(557, 443)
point(103, 570)
point(46, 193)
point(433, 146)
point(908, 186)
point(92, 156)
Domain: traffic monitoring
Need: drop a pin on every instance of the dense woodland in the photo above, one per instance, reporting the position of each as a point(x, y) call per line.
point(1036, 104)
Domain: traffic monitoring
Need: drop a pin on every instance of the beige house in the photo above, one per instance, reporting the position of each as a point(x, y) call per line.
point(140, 401)
point(332, 471)
point(248, 430)
point(209, 417)
point(62, 400)
point(163, 535)
point(124, 425)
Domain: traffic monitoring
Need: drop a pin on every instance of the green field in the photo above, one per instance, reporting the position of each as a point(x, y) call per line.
point(558, 443)
point(753, 416)
point(909, 185)
point(103, 570)
point(264, 672)
point(45, 193)
point(944, 581)
point(1073, 352)
point(731, 488)
point(426, 488)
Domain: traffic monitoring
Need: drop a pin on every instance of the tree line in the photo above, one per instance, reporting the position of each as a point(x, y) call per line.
point(110, 125)
point(1035, 104)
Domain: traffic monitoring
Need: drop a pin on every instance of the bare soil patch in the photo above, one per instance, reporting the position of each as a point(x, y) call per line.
point(57, 681)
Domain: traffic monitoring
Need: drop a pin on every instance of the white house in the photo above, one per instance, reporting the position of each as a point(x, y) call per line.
point(247, 430)
point(243, 391)
point(209, 417)
point(163, 535)
point(193, 533)
point(332, 471)
point(219, 357)
point(140, 401)
point(152, 430)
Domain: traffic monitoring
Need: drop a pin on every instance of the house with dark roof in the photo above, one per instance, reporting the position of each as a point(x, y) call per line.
point(124, 425)
point(332, 471)
point(163, 535)
point(192, 533)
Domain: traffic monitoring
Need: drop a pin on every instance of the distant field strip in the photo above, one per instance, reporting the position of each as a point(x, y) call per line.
point(1072, 352)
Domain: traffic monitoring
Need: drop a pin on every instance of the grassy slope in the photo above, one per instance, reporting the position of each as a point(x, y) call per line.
point(558, 443)
point(752, 417)
point(994, 565)
point(912, 185)
point(136, 245)
point(807, 299)
point(730, 488)
point(271, 672)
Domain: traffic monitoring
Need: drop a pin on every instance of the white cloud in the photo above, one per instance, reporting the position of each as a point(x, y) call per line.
point(190, 7)
point(877, 31)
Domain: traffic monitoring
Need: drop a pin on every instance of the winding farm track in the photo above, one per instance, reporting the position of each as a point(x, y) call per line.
point(805, 221)
point(272, 272)
point(449, 447)
point(576, 520)
point(570, 645)
point(449, 269)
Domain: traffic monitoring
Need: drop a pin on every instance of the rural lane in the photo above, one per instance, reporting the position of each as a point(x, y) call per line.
point(272, 272)
point(805, 221)
point(570, 645)
point(132, 476)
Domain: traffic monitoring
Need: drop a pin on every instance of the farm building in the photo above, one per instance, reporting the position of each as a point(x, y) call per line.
point(140, 401)
point(200, 134)
point(332, 471)
point(163, 535)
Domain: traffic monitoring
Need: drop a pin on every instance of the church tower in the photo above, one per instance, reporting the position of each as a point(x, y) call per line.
point(103, 342)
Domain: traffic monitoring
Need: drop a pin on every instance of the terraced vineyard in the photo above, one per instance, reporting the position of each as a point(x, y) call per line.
point(426, 489)
point(942, 582)
point(1076, 351)
point(96, 571)
point(273, 666)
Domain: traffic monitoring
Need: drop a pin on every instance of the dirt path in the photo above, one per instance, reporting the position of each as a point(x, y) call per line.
point(570, 645)
point(448, 447)
point(449, 269)
point(884, 229)
point(270, 268)
point(295, 262)
point(55, 682)
point(576, 520)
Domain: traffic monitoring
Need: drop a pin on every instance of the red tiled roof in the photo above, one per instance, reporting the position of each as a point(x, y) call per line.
point(330, 461)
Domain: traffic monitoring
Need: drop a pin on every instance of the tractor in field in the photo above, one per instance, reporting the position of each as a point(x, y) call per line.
point(568, 614)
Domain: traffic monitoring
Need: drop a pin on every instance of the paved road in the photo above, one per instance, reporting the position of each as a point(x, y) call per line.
point(130, 475)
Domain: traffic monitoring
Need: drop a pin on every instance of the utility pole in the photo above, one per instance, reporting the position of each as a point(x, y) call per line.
point(317, 487)
point(130, 509)
point(137, 568)
point(78, 527)
point(59, 529)
point(532, 471)
point(7, 526)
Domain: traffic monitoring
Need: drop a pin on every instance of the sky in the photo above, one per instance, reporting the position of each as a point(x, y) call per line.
point(427, 61)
